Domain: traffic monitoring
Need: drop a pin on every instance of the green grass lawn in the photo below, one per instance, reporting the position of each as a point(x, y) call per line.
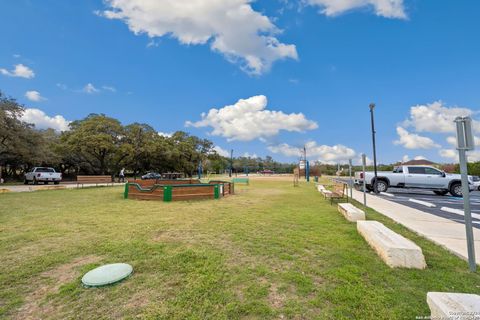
point(270, 251)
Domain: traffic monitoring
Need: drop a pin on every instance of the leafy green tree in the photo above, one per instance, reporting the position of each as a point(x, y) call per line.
point(96, 143)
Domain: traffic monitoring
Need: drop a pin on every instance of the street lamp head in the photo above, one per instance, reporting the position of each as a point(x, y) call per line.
point(372, 106)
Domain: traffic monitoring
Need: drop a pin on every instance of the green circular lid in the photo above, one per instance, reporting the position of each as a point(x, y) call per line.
point(107, 274)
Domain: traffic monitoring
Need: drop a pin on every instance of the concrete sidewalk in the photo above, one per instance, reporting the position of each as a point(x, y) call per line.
point(444, 232)
point(30, 188)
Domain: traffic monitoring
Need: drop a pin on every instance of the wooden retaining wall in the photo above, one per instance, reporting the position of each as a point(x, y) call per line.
point(172, 192)
point(227, 186)
point(151, 182)
point(194, 192)
point(152, 193)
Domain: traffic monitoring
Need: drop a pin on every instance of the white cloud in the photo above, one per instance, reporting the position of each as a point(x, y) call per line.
point(34, 95)
point(448, 153)
point(405, 158)
point(90, 89)
point(165, 134)
point(62, 86)
point(153, 43)
point(20, 71)
point(452, 155)
point(358, 161)
point(43, 121)
point(247, 120)
point(109, 88)
point(420, 158)
point(413, 140)
point(384, 8)
point(248, 155)
point(437, 118)
point(230, 27)
point(453, 141)
point(322, 153)
point(221, 151)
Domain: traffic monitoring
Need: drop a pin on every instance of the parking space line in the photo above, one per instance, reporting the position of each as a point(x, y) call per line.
point(387, 194)
point(423, 203)
point(459, 212)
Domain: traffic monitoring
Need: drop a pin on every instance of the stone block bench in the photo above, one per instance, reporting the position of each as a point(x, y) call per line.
point(445, 305)
point(394, 249)
point(350, 212)
point(320, 188)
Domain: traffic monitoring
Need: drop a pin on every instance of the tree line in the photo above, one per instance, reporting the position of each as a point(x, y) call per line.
point(101, 145)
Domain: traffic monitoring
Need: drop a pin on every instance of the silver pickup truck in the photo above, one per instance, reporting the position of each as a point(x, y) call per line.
point(42, 174)
point(420, 177)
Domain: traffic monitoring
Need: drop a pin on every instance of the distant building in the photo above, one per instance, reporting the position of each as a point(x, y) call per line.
point(421, 162)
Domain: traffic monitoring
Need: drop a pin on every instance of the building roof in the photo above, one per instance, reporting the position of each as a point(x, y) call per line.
point(422, 162)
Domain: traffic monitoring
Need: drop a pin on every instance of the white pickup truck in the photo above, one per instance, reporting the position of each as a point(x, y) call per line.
point(420, 177)
point(42, 174)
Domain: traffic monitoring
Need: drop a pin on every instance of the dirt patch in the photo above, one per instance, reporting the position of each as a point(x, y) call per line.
point(276, 177)
point(48, 283)
point(275, 298)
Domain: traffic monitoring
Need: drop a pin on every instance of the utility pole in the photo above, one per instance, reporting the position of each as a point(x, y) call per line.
point(372, 107)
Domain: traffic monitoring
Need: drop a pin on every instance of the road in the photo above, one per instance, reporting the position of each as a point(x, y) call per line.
point(66, 185)
point(439, 204)
point(431, 203)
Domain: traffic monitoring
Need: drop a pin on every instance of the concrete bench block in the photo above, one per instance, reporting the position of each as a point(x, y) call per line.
point(394, 249)
point(350, 212)
point(445, 305)
point(327, 193)
point(320, 188)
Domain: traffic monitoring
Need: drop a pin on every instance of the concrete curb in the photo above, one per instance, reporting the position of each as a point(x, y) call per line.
point(446, 233)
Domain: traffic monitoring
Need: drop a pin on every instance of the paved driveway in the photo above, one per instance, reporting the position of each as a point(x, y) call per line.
point(29, 188)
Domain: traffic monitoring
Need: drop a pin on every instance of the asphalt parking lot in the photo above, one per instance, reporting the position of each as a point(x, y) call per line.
point(443, 206)
point(438, 205)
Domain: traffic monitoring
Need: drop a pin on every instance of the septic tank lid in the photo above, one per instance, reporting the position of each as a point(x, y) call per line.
point(107, 274)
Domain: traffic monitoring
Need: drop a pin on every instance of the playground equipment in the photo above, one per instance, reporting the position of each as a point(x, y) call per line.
point(177, 189)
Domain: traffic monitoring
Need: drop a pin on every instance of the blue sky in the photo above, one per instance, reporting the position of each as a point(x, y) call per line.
point(165, 63)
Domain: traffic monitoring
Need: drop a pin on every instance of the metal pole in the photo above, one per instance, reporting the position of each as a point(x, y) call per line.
point(463, 125)
point(364, 162)
point(231, 163)
point(307, 170)
point(467, 211)
point(305, 159)
point(350, 176)
point(372, 106)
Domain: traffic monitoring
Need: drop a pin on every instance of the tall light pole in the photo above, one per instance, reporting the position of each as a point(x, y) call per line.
point(350, 178)
point(372, 107)
point(364, 162)
point(231, 163)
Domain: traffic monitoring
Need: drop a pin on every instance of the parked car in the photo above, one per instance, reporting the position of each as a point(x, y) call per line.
point(419, 177)
point(266, 172)
point(42, 174)
point(476, 182)
point(151, 175)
